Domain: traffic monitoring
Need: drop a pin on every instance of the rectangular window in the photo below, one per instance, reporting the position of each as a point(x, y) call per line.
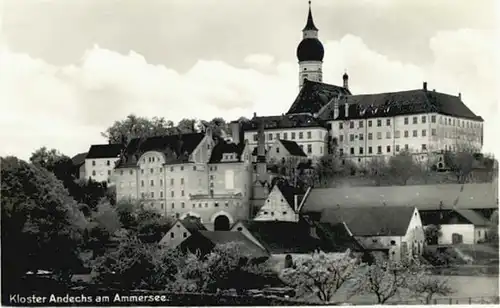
point(341, 125)
point(397, 147)
point(415, 133)
point(285, 136)
point(171, 181)
point(293, 136)
point(406, 147)
point(255, 137)
point(142, 183)
point(424, 147)
point(341, 138)
point(352, 151)
point(183, 205)
point(361, 136)
point(308, 135)
point(172, 194)
point(309, 148)
point(301, 135)
point(379, 123)
point(351, 124)
point(433, 132)
point(277, 149)
point(370, 151)
point(379, 135)
point(270, 137)
point(109, 172)
point(361, 150)
point(182, 181)
point(424, 119)
point(277, 135)
point(369, 123)
point(406, 134)
point(433, 119)
point(406, 120)
point(152, 194)
point(182, 193)
point(341, 152)
point(152, 170)
point(388, 135)
point(360, 124)
point(397, 134)
point(161, 194)
point(351, 137)
point(108, 163)
point(152, 183)
point(424, 133)
point(379, 149)
point(93, 163)
point(388, 149)
point(415, 120)
point(370, 136)
point(173, 205)
point(388, 122)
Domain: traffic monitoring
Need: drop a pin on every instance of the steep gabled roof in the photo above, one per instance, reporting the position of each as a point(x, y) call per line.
point(283, 237)
point(424, 197)
point(104, 151)
point(192, 224)
point(398, 103)
point(79, 159)
point(288, 191)
point(226, 148)
point(283, 121)
point(315, 95)
point(176, 148)
point(374, 221)
point(475, 218)
point(293, 148)
point(246, 246)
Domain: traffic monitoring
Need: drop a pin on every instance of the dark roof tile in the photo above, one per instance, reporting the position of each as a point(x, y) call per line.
point(315, 95)
point(283, 121)
point(176, 148)
point(104, 151)
point(226, 148)
point(247, 247)
point(293, 148)
point(79, 159)
point(363, 221)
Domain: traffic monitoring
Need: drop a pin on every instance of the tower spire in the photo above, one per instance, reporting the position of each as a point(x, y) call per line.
point(310, 22)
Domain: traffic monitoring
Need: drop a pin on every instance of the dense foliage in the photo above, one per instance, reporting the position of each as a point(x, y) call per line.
point(42, 226)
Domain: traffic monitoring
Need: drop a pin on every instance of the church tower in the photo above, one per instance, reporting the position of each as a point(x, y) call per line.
point(310, 53)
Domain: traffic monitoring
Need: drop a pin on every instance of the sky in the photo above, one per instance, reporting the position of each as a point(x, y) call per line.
point(70, 68)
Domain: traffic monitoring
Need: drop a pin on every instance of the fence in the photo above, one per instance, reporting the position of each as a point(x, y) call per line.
point(454, 301)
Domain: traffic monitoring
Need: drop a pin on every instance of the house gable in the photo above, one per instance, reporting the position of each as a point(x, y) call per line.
point(175, 235)
point(240, 227)
point(276, 208)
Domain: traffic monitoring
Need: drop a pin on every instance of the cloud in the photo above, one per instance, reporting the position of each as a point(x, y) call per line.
point(66, 107)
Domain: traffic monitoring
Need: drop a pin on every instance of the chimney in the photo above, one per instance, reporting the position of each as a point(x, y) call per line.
point(254, 115)
point(235, 131)
point(425, 85)
point(459, 95)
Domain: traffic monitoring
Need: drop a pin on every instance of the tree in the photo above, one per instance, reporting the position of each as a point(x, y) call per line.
point(320, 274)
point(377, 169)
point(432, 234)
point(460, 162)
point(493, 231)
point(135, 264)
point(151, 225)
point(424, 286)
point(327, 167)
point(384, 279)
point(57, 163)
point(42, 225)
point(121, 132)
point(401, 167)
point(187, 126)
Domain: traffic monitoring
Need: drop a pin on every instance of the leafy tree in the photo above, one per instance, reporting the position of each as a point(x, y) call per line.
point(137, 127)
point(378, 169)
point(135, 264)
point(186, 126)
point(327, 167)
point(493, 231)
point(460, 162)
point(432, 234)
point(42, 225)
point(151, 225)
point(321, 274)
point(401, 167)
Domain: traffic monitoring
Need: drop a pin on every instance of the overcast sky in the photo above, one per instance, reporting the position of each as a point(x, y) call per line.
point(70, 68)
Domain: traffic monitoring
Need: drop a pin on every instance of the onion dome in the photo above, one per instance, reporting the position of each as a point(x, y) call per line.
point(310, 49)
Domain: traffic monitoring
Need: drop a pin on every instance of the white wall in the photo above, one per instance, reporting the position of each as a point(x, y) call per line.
point(276, 208)
point(175, 236)
point(415, 236)
point(467, 232)
point(100, 169)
